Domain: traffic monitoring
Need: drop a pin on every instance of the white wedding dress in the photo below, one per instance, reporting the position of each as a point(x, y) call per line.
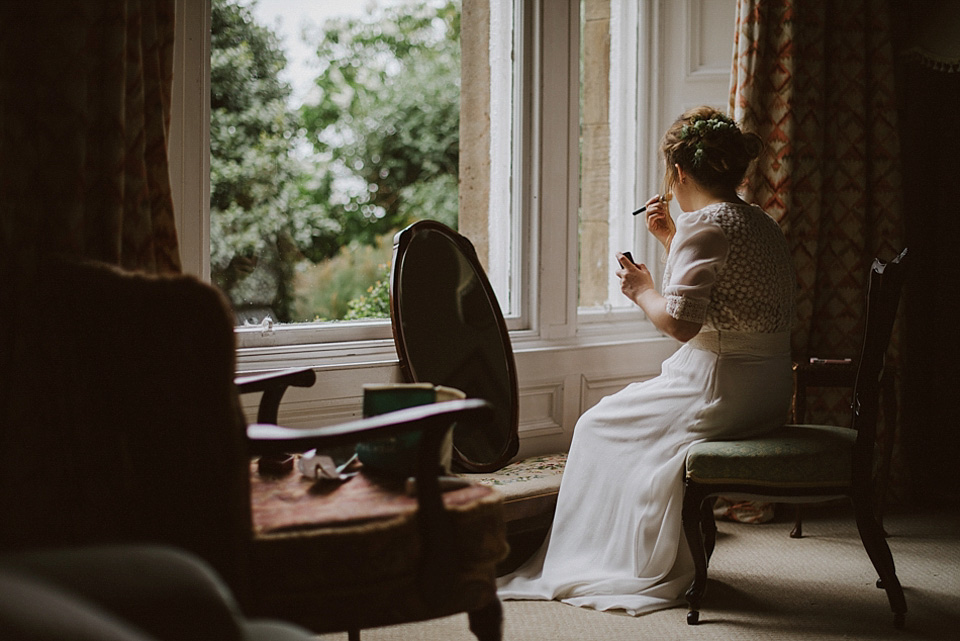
point(616, 540)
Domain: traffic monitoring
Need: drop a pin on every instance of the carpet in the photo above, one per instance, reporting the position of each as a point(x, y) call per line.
point(765, 585)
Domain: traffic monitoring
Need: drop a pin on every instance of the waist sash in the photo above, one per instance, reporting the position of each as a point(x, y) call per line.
point(753, 343)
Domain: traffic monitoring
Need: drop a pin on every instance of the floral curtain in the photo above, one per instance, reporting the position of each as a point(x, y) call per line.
point(84, 118)
point(816, 81)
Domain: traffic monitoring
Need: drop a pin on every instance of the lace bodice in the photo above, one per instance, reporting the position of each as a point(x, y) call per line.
point(729, 268)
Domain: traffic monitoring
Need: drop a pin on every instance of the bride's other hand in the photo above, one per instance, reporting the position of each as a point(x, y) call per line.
point(634, 279)
point(636, 283)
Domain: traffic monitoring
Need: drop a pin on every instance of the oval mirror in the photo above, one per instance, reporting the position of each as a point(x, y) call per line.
point(449, 330)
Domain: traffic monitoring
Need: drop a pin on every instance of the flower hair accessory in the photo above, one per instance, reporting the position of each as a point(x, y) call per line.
point(700, 128)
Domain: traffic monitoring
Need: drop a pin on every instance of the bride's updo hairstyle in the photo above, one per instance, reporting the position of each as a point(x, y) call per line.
point(710, 147)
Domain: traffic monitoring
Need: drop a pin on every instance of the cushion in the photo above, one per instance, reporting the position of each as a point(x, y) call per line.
point(333, 556)
point(531, 476)
point(792, 456)
point(529, 488)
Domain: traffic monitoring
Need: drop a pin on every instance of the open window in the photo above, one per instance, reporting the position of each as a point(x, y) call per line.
point(561, 105)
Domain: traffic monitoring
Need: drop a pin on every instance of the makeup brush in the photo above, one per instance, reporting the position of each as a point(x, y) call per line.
point(665, 198)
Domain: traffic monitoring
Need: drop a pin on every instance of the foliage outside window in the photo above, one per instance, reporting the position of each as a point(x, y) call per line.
point(305, 199)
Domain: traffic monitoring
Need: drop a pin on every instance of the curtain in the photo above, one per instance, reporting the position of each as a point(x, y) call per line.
point(929, 83)
point(816, 81)
point(84, 119)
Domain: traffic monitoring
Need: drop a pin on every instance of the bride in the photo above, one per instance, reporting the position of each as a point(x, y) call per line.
point(728, 295)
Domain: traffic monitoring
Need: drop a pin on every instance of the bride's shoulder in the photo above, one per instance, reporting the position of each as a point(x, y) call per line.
point(710, 215)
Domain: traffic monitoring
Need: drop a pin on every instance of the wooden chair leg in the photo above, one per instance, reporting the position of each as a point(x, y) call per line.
point(353, 635)
point(693, 530)
point(708, 526)
point(797, 531)
point(871, 534)
point(888, 394)
point(487, 622)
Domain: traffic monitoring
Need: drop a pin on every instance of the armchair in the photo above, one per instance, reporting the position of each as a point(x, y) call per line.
point(799, 463)
point(120, 422)
point(123, 593)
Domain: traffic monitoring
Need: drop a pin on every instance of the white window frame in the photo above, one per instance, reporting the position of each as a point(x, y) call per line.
point(565, 360)
point(633, 159)
point(548, 31)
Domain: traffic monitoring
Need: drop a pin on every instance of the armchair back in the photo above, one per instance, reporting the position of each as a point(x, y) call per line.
point(119, 420)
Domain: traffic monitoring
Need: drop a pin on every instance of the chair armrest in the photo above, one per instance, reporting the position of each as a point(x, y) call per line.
point(435, 417)
point(825, 373)
point(36, 610)
point(819, 373)
point(274, 385)
point(166, 592)
point(433, 421)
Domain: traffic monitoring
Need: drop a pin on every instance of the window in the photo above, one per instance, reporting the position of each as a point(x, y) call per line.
point(498, 168)
point(612, 178)
point(310, 182)
point(520, 196)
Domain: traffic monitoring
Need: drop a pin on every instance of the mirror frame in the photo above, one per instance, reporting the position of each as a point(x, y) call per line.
point(401, 243)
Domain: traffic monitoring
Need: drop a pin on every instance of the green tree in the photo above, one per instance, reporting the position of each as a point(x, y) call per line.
point(385, 132)
point(260, 219)
point(387, 117)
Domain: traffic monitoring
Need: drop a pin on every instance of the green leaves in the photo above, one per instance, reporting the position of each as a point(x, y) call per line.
point(260, 215)
point(375, 150)
point(388, 112)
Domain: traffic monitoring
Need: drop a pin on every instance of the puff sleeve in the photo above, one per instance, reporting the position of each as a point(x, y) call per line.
point(698, 251)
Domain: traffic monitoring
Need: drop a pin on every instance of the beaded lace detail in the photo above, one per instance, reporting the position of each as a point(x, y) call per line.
point(755, 284)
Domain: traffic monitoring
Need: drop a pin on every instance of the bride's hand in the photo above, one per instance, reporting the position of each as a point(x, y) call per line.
point(659, 221)
point(634, 279)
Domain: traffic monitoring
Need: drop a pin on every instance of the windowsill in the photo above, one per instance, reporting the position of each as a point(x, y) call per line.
point(382, 351)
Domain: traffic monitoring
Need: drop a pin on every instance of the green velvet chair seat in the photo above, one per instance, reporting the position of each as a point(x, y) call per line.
point(792, 456)
point(806, 463)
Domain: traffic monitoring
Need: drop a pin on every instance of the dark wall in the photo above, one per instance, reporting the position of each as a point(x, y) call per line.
point(930, 139)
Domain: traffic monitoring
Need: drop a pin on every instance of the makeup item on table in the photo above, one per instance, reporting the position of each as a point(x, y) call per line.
point(397, 455)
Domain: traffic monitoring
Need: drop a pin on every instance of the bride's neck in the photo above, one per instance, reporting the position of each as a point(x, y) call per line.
point(702, 198)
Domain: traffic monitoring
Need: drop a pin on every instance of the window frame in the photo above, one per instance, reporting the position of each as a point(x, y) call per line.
point(634, 45)
point(549, 195)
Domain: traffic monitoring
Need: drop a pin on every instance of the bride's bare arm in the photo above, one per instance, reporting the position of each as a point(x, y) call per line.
point(636, 283)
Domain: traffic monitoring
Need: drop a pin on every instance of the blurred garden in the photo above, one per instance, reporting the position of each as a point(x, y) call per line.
point(305, 198)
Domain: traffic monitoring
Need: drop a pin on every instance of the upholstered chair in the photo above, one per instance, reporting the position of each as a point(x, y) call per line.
point(806, 463)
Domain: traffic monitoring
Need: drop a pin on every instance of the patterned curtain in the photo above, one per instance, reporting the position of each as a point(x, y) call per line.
point(84, 118)
point(816, 81)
